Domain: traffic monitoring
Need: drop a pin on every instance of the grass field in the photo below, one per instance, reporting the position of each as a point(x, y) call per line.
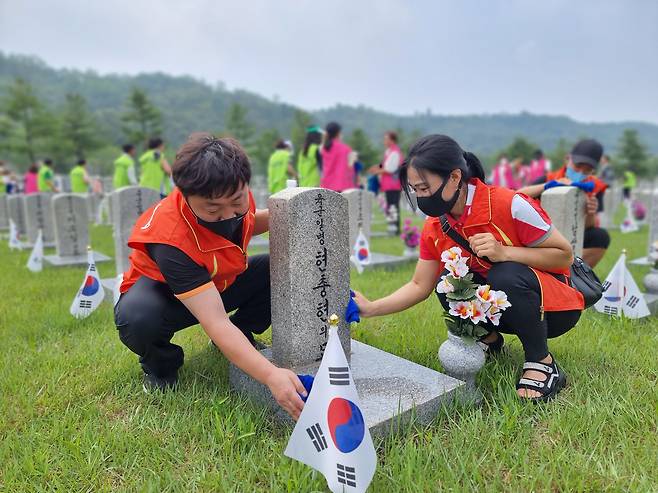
point(73, 416)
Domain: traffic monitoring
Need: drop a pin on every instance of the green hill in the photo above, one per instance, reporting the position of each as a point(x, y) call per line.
point(189, 104)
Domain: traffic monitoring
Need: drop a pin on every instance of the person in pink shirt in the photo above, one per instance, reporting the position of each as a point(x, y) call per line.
point(337, 161)
point(502, 175)
point(388, 172)
point(30, 180)
point(539, 166)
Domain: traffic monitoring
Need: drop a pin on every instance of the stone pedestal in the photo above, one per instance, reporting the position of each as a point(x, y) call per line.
point(393, 391)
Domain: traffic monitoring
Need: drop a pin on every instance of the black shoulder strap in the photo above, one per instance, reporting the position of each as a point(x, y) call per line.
point(457, 238)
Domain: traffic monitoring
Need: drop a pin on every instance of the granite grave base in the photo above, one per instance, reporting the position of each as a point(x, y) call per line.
point(67, 261)
point(393, 391)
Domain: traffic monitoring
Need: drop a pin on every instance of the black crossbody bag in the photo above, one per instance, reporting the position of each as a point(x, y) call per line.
point(582, 278)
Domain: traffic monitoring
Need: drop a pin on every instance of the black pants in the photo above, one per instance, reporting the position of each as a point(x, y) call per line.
point(523, 317)
point(148, 315)
point(393, 198)
point(596, 238)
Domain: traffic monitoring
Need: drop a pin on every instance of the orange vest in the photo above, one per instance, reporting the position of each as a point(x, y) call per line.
point(491, 212)
point(172, 222)
point(599, 185)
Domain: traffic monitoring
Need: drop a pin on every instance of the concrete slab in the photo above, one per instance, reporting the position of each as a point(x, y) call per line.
point(393, 391)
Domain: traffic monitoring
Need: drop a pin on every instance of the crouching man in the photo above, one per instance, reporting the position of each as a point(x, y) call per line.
point(189, 265)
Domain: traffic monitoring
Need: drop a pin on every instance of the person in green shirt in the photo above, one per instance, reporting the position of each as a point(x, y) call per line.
point(309, 161)
point(630, 182)
point(279, 167)
point(124, 168)
point(154, 168)
point(80, 181)
point(45, 178)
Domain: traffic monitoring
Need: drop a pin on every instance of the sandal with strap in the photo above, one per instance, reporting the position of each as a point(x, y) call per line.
point(494, 347)
point(555, 380)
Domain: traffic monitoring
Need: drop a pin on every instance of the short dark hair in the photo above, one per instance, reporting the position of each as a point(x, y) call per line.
point(392, 135)
point(210, 167)
point(280, 144)
point(82, 161)
point(48, 161)
point(127, 147)
point(155, 142)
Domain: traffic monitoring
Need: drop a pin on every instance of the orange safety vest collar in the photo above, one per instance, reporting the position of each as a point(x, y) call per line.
point(172, 222)
point(491, 212)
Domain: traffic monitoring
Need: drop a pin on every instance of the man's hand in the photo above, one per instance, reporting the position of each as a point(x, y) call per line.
point(286, 387)
point(592, 205)
point(485, 245)
point(564, 181)
point(364, 304)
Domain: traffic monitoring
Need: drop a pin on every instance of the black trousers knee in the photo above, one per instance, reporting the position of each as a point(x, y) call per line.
point(523, 318)
point(148, 315)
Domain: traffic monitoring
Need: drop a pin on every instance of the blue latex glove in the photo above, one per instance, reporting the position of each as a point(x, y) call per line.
point(585, 186)
point(307, 382)
point(352, 310)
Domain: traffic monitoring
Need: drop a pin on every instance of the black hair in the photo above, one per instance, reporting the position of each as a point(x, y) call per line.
point(33, 169)
point(210, 167)
point(313, 137)
point(82, 162)
point(440, 155)
point(280, 144)
point(539, 154)
point(333, 129)
point(155, 142)
point(48, 161)
point(127, 147)
point(392, 135)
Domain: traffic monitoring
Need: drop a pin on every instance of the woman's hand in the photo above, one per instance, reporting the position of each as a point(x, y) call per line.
point(486, 245)
point(564, 180)
point(592, 205)
point(364, 304)
point(286, 387)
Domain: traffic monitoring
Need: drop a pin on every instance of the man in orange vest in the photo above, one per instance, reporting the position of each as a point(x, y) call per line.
point(189, 265)
point(581, 167)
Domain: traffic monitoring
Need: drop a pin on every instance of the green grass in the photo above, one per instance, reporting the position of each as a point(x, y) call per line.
point(73, 416)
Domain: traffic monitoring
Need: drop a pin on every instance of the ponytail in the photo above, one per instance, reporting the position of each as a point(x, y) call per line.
point(475, 169)
point(332, 129)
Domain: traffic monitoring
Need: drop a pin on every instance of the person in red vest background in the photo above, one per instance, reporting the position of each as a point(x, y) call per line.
point(581, 166)
point(189, 265)
point(526, 257)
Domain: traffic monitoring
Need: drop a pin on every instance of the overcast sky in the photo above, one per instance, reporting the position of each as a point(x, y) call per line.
point(594, 60)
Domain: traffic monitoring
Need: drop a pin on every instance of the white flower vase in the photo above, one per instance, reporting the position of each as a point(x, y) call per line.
point(462, 358)
point(651, 281)
point(410, 252)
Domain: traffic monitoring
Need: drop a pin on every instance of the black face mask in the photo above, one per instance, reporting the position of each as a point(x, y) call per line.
point(434, 205)
point(226, 228)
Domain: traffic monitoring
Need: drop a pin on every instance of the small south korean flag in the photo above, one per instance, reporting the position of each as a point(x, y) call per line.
point(331, 434)
point(35, 262)
point(621, 294)
point(14, 240)
point(629, 224)
point(360, 252)
point(91, 293)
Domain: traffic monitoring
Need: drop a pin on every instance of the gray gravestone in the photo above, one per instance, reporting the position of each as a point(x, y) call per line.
point(309, 271)
point(16, 212)
point(107, 183)
point(360, 217)
point(70, 218)
point(4, 213)
point(652, 219)
point(127, 204)
point(39, 216)
point(360, 212)
point(93, 204)
point(566, 208)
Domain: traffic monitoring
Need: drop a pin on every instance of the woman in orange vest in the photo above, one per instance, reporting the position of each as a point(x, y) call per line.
point(525, 257)
point(189, 265)
point(580, 166)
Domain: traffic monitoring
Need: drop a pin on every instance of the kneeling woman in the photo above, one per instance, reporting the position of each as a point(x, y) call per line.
point(516, 248)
